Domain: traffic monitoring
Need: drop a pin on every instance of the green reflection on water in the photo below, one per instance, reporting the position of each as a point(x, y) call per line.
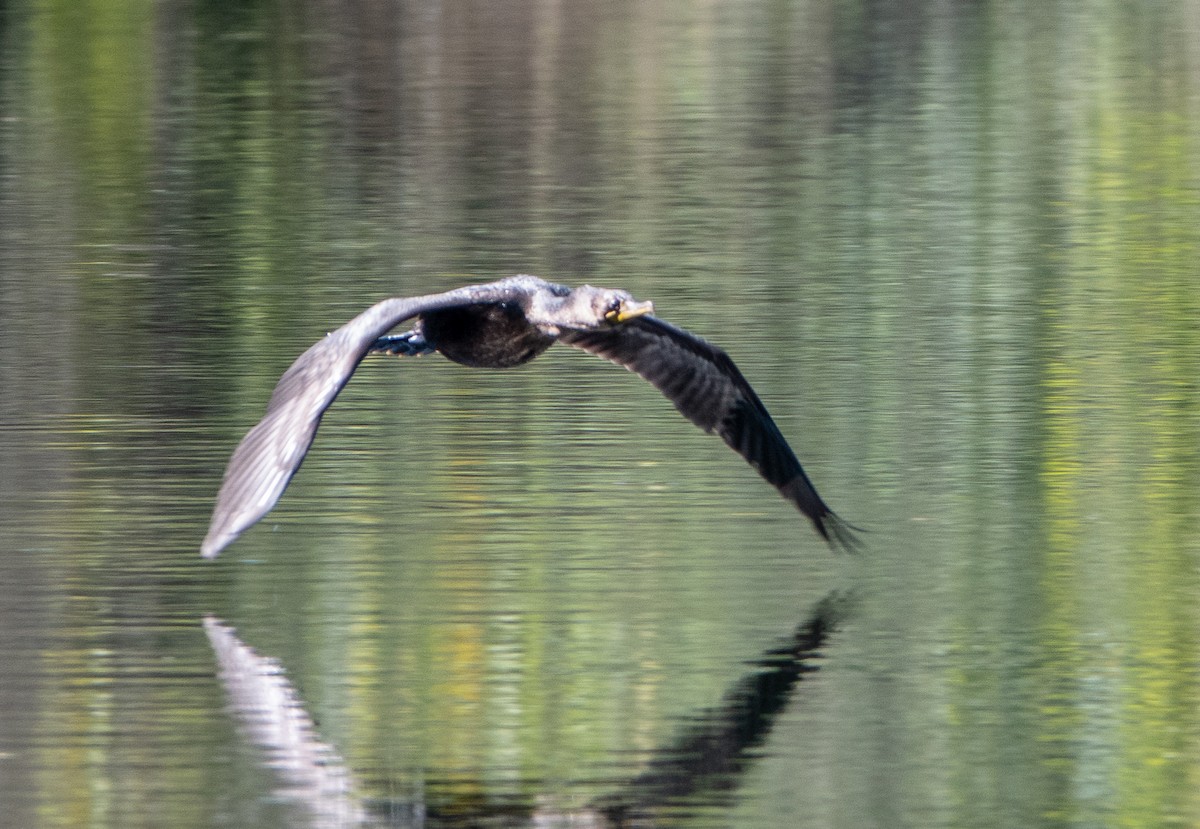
point(956, 253)
point(1121, 448)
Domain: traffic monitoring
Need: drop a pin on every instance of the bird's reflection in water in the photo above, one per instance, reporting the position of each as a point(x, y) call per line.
point(706, 761)
point(704, 765)
point(273, 717)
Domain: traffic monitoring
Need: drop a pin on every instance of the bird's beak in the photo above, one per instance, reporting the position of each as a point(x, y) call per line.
point(630, 308)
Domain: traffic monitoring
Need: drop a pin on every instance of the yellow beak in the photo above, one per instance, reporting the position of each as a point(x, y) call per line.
point(629, 310)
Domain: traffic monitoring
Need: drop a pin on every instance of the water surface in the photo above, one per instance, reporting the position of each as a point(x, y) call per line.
point(953, 247)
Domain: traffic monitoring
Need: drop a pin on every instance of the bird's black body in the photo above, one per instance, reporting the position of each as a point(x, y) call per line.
point(499, 325)
point(484, 336)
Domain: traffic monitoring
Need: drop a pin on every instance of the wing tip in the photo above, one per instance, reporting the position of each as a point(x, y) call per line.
point(224, 529)
point(840, 535)
point(214, 543)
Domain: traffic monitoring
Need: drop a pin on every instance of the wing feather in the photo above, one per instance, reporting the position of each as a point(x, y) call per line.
point(708, 389)
point(269, 455)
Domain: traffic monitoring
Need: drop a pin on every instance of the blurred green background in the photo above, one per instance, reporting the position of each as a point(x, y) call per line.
point(953, 245)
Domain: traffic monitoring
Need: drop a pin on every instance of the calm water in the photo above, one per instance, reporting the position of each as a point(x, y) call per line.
point(953, 247)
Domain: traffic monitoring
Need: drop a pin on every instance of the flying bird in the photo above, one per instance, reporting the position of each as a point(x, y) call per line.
point(498, 325)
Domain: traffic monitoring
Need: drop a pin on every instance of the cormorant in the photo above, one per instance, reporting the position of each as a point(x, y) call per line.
point(497, 325)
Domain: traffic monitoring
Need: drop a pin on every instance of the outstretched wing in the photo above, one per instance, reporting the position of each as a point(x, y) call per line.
point(709, 390)
point(267, 458)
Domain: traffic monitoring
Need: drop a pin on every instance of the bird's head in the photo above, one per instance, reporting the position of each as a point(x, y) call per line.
point(586, 308)
point(620, 306)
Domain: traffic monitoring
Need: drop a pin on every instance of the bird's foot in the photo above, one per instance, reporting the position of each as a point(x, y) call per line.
point(408, 344)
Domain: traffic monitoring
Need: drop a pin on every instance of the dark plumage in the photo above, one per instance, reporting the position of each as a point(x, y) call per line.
point(497, 325)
